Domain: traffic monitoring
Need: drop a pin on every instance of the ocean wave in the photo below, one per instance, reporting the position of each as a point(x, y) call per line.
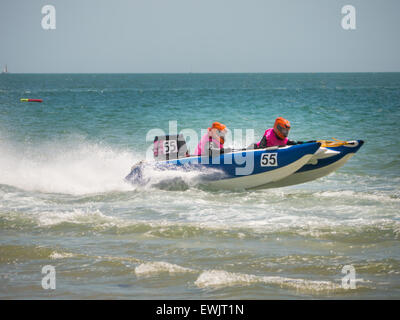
point(93, 221)
point(60, 255)
point(21, 253)
point(221, 278)
point(151, 268)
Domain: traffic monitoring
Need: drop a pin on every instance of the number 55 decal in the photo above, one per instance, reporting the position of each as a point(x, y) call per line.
point(269, 160)
point(170, 146)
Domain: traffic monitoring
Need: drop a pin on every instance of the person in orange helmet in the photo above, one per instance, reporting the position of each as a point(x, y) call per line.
point(277, 136)
point(213, 140)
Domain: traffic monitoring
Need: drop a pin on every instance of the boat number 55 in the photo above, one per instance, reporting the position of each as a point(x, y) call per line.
point(269, 160)
point(170, 146)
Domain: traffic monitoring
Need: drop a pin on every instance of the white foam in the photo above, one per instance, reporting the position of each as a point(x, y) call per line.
point(221, 278)
point(173, 179)
point(357, 195)
point(65, 167)
point(61, 255)
point(160, 267)
point(76, 215)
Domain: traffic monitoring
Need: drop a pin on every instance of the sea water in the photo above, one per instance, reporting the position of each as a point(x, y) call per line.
point(64, 201)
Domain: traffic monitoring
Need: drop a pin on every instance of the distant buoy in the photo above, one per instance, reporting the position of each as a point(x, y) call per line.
point(31, 100)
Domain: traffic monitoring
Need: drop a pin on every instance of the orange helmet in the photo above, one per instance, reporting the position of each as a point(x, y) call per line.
point(221, 131)
point(281, 128)
point(219, 126)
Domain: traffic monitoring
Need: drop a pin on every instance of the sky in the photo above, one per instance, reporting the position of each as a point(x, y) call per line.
point(199, 36)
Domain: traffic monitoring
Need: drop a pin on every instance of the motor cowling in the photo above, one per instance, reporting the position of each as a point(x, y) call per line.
point(169, 147)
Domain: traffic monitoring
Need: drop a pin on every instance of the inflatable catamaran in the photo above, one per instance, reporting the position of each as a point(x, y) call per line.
point(271, 167)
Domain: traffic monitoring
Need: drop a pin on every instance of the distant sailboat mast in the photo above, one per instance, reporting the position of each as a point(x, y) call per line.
point(5, 69)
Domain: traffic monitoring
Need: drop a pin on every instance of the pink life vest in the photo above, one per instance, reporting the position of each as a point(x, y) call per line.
point(203, 143)
point(272, 139)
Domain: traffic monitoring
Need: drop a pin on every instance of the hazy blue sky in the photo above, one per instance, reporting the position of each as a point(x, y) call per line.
point(200, 36)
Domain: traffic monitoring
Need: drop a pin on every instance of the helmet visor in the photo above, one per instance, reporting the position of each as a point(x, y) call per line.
point(283, 131)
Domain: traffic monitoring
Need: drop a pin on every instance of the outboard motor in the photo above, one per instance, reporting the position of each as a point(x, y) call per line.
point(169, 147)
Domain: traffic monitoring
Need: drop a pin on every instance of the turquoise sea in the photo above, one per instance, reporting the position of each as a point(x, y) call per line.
point(63, 200)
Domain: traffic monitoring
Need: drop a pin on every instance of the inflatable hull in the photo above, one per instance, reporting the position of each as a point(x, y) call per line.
point(240, 170)
point(319, 165)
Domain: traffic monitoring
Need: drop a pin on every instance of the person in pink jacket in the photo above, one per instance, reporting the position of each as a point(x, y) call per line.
point(213, 141)
point(277, 136)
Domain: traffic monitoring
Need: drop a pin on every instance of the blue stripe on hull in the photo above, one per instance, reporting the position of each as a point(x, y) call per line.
point(230, 163)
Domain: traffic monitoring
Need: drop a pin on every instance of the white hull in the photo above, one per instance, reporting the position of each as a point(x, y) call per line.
point(301, 177)
point(256, 180)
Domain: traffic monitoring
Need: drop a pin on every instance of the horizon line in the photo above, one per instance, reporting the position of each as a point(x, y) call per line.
point(277, 72)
